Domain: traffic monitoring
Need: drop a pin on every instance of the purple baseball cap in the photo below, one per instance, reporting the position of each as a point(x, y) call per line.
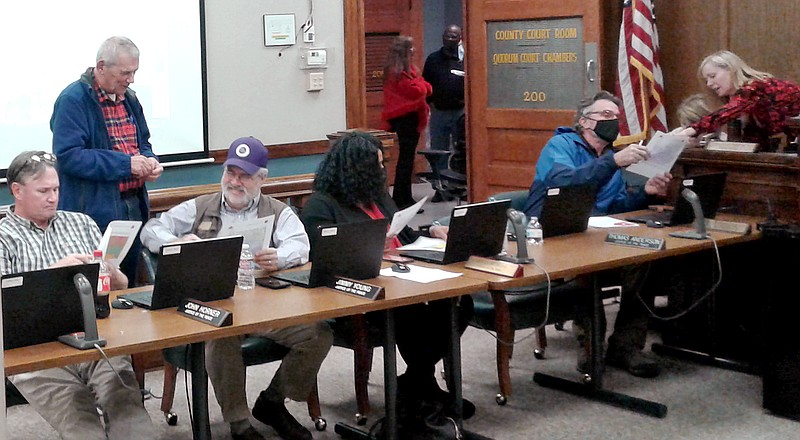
point(247, 153)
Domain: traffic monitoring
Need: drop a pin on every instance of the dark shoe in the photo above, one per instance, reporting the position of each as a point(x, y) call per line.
point(277, 416)
point(249, 434)
point(634, 362)
point(430, 391)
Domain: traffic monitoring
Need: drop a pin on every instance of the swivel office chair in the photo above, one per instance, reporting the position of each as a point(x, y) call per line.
point(504, 312)
point(255, 350)
point(450, 182)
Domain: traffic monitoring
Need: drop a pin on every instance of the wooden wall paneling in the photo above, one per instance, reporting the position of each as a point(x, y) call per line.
point(767, 37)
point(688, 33)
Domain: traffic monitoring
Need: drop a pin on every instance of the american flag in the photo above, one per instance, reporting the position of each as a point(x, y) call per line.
point(640, 81)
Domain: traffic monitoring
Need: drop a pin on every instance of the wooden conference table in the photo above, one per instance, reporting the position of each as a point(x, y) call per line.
point(587, 254)
point(138, 330)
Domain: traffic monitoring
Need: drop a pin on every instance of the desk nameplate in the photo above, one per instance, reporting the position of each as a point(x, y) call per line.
point(496, 267)
point(656, 244)
point(357, 288)
point(200, 311)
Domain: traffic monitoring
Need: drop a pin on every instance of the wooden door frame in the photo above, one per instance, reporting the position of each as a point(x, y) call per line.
point(355, 57)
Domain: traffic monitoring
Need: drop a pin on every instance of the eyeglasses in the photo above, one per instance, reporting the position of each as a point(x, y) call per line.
point(46, 157)
point(607, 114)
point(31, 163)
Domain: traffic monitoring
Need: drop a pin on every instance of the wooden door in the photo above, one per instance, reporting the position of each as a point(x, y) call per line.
point(528, 64)
point(384, 20)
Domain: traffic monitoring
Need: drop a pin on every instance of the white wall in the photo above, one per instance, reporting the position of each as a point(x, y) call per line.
point(252, 91)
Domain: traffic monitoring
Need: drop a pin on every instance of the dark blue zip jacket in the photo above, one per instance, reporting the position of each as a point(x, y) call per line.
point(89, 170)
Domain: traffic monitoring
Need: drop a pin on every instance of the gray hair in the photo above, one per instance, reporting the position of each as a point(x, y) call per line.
point(262, 172)
point(28, 164)
point(584, 105)
point(113, 47)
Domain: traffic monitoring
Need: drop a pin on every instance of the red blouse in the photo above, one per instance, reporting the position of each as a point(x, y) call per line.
point(375, 213)
point(768, 102)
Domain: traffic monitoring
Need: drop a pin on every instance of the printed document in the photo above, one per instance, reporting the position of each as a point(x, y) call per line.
point(664, 150)
point(257, 232)
point(401, 218)
point(117, 240)
point(425, 244)
point(420, 274)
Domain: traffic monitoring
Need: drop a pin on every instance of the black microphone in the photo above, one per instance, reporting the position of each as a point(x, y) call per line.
point(517, 220)
point(699, 220)
point(89, 338)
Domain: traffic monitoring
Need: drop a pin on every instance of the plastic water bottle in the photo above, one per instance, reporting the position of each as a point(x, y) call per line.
point(533, 232)
point(101, 304)
point(246, 280)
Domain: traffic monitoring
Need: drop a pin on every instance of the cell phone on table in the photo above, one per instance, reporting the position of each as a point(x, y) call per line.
point(272, 283)
point(396, 258)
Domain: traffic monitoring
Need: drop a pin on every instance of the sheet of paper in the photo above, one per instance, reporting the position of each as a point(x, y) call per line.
point(401, 218)
point(426, 244)
point(118, 239)
point(605, 221)
point(257, 232)
point(664, 150)
point(420, 274)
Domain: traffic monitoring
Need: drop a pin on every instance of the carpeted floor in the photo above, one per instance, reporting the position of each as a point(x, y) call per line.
point(704, 402)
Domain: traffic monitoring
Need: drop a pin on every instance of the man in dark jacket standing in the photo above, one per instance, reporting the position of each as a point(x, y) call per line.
point(102, 142)
point(444, 70)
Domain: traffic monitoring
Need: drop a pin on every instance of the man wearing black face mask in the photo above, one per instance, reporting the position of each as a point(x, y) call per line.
point(583, 154)
point(444, 70)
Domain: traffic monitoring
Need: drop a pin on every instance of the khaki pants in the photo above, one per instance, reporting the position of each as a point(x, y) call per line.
point(68, 398)
point(308, 345)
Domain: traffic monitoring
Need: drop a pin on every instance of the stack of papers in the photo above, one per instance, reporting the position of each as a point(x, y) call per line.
point(425, 244)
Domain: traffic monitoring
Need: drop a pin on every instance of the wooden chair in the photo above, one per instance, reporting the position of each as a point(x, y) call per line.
point(354, 333)
point(255, 350)
point(504, 312)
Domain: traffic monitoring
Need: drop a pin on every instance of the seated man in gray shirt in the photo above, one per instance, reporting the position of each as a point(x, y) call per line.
point(240, 199)
point(34, 235)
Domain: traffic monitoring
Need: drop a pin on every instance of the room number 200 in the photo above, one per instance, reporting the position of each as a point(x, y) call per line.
point(534, 96)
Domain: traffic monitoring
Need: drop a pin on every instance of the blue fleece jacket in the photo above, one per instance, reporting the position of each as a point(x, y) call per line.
point(89, 169)
point(568, 160)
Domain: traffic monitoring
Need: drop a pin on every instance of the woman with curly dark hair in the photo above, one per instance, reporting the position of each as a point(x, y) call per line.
point(405, 112)
point(350, 186)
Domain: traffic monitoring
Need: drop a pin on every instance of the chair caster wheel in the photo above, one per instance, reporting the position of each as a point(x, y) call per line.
point(171, 418)
point(559, 326)
point(538, 353)
point(500, 399)
point(361, 419)
point(320, 424)
point(586, 379)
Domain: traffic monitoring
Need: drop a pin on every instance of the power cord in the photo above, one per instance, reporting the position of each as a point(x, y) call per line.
point(700, 300)
point(305, 26)
point(145, 392)
point(536, 327)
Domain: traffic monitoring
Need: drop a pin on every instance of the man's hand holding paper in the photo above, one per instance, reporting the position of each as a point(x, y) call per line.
point(661, 153)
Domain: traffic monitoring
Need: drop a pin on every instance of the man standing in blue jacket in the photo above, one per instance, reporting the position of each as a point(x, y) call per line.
point(102, 142)
point(583, 154)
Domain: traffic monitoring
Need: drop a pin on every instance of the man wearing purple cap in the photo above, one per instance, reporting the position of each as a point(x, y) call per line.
point(204, 217)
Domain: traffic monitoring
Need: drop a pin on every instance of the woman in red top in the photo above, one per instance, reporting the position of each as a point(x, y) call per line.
point(760, 102)
point(405, 112)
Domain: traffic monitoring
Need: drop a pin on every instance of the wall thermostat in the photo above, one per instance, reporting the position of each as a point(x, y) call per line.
point(315, 58)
